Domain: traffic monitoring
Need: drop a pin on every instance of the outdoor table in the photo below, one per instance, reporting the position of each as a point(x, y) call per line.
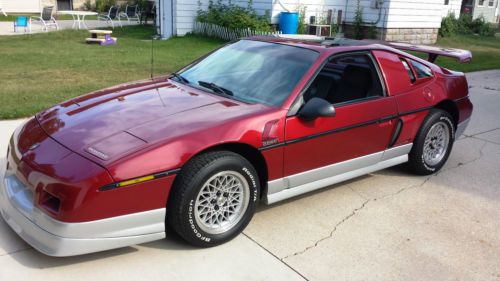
point(78, 17)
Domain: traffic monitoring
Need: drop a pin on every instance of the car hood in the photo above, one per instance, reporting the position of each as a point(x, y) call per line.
point(112, 123)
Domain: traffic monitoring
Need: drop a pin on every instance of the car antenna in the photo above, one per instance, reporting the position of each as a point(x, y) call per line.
point(153, 38)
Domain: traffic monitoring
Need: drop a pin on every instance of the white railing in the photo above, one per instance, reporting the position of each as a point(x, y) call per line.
point(217, 31)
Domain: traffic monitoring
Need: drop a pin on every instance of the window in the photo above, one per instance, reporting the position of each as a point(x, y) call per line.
point(254, 71)
point(421, 70)
point(446, 2)
point(346, 78)
point(480, 3)
point(408, 69)
point(491, 3)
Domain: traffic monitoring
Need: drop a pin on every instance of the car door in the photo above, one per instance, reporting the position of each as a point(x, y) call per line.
point(355, 137)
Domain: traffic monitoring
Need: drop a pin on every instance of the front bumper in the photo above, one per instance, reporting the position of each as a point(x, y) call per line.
point(56, 238)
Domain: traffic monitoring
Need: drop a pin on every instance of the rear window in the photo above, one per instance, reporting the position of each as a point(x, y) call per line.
point(421, 70)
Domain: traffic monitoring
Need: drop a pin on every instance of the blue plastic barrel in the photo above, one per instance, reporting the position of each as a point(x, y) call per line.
point(289, 22)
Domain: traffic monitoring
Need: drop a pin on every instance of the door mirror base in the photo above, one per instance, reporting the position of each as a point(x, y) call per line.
point(315, 108)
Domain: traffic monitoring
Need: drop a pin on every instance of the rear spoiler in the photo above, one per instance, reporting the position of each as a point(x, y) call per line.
point(463, 56)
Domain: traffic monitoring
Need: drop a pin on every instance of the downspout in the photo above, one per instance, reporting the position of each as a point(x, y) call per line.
point(282, 5)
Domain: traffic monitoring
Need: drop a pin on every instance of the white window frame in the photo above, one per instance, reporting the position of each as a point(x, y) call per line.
point(480, 5)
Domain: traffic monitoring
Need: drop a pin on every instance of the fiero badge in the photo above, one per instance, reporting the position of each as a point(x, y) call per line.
point(97, 153)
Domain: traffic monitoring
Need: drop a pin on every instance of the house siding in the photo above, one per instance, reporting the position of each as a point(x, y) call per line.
point(17, 6)
point(486, 11)
point(185, 12)
point(403, 20)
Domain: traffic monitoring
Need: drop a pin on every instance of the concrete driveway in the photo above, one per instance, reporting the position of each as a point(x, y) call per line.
point(7, 28)
point(388, 225)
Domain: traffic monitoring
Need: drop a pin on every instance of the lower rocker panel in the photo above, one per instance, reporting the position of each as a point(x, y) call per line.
point(301, 183)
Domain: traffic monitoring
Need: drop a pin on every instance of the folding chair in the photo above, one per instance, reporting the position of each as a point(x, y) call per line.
point(21, 21)
point(46, 20)
point(131, 13)
point(113, 14)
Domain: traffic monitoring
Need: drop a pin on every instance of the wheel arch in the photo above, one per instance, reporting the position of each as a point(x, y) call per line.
point(250, 153)
point(450, 107)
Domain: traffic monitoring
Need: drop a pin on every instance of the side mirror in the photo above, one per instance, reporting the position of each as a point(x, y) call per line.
point(315, 108)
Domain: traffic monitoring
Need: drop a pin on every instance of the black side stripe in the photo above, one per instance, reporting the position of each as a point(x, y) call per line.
point(342, 129)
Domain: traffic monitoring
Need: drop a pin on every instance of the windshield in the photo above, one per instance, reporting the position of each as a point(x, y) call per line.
point(252, 71)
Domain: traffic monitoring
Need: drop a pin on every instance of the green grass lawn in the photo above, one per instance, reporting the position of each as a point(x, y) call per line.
point(485, 52)
point(40, 70)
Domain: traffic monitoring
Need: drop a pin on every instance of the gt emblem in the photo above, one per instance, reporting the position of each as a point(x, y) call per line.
point(33, 146)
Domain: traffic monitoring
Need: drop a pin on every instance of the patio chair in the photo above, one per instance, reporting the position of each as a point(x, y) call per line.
point(148, 11)
point(131, 13)
point(46, 20)
point(112, 15)
point(21, 21)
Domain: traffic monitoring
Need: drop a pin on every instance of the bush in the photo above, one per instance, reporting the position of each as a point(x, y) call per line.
point(233, 16)
point(102, 6)
point(450, 26)
point(88, 6)
point(358, 22)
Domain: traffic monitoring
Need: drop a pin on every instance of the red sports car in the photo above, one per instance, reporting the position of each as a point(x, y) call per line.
point(260, 119)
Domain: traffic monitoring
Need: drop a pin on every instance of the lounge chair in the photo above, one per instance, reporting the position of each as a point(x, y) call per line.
point(46, 20)
point(131, 14)
point(111, 16)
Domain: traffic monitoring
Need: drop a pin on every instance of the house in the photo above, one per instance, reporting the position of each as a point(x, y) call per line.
point(414, 21)
point(489, 9)
point(35, 6)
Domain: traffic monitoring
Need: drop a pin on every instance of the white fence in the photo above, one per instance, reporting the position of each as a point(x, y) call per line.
point(217, 31)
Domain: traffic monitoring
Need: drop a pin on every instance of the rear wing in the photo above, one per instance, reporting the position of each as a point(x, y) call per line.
point(463, 56)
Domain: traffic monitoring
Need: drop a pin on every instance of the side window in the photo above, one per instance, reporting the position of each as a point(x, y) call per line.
point(408, 69)
point(421, 70)
point(346, 78)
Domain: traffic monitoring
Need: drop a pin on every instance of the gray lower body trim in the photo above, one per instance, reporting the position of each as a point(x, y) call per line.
point(461, 128)
point(56, 238)
point(304, 182)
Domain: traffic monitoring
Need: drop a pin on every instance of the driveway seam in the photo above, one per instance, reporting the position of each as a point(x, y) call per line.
point(353, 213)
point(272, 254)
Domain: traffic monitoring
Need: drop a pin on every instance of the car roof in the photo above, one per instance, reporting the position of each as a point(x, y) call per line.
point(327, 45)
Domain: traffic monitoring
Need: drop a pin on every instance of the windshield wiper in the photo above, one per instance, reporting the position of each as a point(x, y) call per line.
point(180, 78)
point(216, 88)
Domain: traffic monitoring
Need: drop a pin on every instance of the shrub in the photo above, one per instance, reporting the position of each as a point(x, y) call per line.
point(450, 26)
point(103, 6)
point(88, 6)
point(358, 22)
point(233, 16)
point(302, 28)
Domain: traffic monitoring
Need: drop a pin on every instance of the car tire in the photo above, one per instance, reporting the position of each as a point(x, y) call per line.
point(213, 199)
point(433, 143)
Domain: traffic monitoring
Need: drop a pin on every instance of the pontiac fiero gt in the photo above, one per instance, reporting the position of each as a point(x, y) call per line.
point(260, 119)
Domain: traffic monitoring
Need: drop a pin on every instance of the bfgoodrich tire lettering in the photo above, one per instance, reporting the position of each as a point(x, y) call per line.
point(213, 198)
point(433, 143)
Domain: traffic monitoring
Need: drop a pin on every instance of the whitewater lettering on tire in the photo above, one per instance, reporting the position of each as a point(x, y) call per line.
point(193, 226)
point(254, 184)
